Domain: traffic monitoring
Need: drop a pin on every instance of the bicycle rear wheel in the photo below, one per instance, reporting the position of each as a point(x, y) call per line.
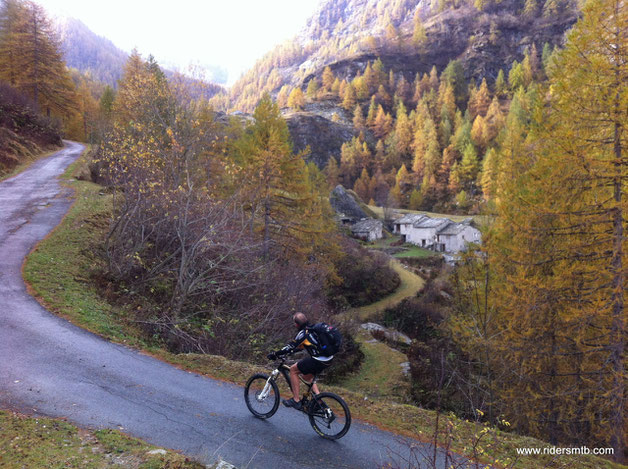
point(261, 395)
point(329, 415)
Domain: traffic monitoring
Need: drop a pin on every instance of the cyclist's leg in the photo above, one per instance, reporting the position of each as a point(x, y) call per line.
point(294, 381)
point(308, 379)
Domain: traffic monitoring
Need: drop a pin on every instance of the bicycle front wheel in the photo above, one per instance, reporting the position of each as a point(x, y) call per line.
point(261, 395)
point(329, 415)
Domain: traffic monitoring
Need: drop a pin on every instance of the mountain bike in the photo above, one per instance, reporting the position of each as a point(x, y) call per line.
point(328, 413)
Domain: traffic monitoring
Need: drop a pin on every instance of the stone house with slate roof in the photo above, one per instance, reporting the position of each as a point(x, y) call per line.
point(438, 234)
point(368, 229)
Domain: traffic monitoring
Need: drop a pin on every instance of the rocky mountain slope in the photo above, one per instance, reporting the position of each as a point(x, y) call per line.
point(102, 61)
point(410, 37)
point(89, 53)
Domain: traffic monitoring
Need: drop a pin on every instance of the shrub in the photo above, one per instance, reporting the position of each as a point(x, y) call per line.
point(366, 276)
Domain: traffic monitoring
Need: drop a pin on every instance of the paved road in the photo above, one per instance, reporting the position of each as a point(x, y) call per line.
point(50, 367)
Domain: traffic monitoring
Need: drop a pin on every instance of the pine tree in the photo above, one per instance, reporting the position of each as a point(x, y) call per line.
point(361, 186)
point(416, 200)
point(328, 79)
point(282, 96)
point(31, 60)
point(454, 76)
point(372, 113)
point(561, 244)
point(106, 102)
point(481, 102)
point(490, 167)
point(277, 181)
point(479, 133)
point(403, 132)
point(469, 166)
point(349, 162)
point(370, 78)
point(358, 118)
point(143, 98)
point(382, 97)
point(332, 172)
point(500, 84)
point(383, 123)
point(350, 99)
point(516, 78)
point(296, 100)
point(530, 8)
point(13, 32)
point(419, 36)
point(312, 89)
point(494, 119)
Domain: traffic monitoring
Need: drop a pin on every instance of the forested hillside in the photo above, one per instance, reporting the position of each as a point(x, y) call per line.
point(410, 37)
point(421, 94)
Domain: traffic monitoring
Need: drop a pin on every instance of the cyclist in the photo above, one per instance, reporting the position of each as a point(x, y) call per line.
point(308, 366)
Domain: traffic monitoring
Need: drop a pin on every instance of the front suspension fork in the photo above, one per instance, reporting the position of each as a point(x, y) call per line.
point(267, 387)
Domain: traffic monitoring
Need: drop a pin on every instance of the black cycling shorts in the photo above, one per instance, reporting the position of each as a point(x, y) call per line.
point(311, 366)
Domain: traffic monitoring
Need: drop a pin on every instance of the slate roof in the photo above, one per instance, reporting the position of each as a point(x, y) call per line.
point(428, 222)
point(452, 229)
point(366, 226)
point(408, 219)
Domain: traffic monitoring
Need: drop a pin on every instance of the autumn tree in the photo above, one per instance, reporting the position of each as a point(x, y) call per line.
point(312, 88)
point(501, 87)
point(419, 36)
point(284, 207)
point(328, 79)
point(402, 132)
point(31, 60)
point(561, 244)
point(349, 99)
point(296, 100)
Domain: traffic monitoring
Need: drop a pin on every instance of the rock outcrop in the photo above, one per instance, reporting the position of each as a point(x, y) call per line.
point(344, 204)
point(389, 335)
point(324, 136)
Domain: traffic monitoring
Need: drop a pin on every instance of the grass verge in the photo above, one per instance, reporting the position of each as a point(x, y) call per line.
point(381, 374)
point(414, 252)
point(44, 442)
point(59, 272)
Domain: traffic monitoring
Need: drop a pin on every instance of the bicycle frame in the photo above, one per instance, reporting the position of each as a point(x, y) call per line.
point(284, 370)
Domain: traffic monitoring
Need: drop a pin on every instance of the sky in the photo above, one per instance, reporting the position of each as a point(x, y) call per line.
point(231, 34)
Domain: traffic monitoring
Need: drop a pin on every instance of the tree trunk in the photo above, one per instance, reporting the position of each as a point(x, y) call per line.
point(618, 336)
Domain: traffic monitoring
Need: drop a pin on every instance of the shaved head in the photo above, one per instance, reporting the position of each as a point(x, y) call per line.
point(300, 319)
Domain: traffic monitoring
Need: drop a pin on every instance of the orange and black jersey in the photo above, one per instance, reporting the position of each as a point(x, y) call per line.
point(308, 341)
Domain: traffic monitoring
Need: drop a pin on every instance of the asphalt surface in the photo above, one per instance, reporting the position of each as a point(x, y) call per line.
point(51, 367)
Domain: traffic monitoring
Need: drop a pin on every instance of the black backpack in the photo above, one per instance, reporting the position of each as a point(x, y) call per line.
point(329, 338)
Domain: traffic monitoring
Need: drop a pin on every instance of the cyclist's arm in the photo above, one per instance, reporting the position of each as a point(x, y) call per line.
point(293, 345)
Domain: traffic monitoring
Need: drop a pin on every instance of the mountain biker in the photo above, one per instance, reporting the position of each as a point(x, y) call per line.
point(308, 366)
